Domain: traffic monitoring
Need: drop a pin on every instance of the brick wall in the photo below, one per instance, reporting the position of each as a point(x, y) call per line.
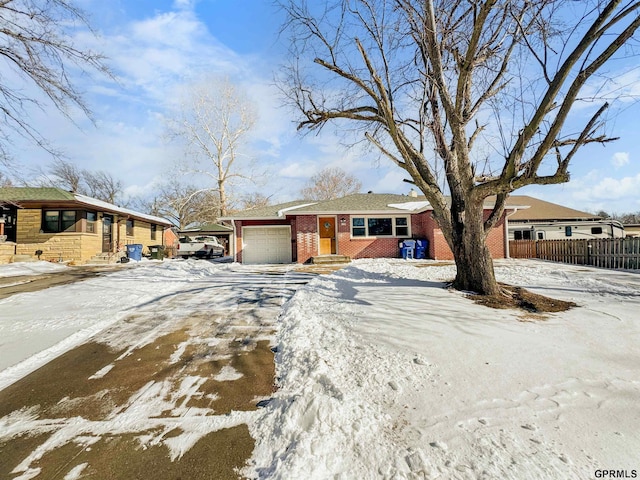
point(306, 228)
point(365, 247)
point(439, 249)
point(496, 240)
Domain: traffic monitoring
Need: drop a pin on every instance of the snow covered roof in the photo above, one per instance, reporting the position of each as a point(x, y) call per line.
point(94, 202)
point(58, 196)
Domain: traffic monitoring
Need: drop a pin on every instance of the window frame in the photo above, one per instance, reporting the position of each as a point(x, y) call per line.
point(60, 221)
point(128, 227)
point(525, 234)
point(363, 226)
point(90, 226)
point(154, 229)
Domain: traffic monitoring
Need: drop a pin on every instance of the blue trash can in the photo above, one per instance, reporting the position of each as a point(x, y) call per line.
point(134, 251)
point(408, 249)
point(421, 248)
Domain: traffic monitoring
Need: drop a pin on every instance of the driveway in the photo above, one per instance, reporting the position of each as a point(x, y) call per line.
point(164, 391)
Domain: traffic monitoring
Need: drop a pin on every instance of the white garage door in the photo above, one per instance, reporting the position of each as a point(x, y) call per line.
point(266, 245)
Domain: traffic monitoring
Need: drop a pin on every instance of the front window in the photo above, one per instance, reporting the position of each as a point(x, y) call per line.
point(56, 221)
point(92, 218)
point(567, 231)
point(358, 229)
point(402, 227)
point(129, 227)
point(380, 227)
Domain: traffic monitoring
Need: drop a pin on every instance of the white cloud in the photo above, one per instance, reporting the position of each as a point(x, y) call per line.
point(592, 192)
point(184, 4)
point(298, 170)
point(620, 159)
point(622, 86)
point(392, 182)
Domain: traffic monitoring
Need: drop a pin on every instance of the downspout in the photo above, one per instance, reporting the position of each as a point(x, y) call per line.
point(234, 243)
point(506, 232)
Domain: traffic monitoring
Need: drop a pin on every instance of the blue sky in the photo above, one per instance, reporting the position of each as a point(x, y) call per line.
point(157, 46)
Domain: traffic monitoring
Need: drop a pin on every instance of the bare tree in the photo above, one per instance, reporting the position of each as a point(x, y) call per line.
point(183, 205)
point(213, 121)
point(5, 181)
point(68, 176)
point(37, 48)
point(480, 89)
point(103, 186)
point(254, 200)
point(329, 183)
point(65, 175)
point(625, 218)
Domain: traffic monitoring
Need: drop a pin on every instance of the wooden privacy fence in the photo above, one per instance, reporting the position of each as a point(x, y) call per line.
point(615, 253)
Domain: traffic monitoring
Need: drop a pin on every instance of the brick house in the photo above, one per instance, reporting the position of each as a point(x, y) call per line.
point(56, 225)
point(357, 226)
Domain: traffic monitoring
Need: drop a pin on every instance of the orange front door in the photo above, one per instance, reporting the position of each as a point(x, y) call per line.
point(327, 228)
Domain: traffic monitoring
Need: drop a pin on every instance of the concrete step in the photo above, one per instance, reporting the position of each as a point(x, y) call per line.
point(326, 259)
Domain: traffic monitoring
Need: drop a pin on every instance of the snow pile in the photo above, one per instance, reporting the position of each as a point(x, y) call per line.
point(30, 268)
point(385, 374)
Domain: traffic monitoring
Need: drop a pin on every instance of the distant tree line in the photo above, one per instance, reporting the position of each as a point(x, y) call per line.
point(625, 218)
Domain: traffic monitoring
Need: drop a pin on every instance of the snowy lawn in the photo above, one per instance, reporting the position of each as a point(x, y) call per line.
point(383, 373)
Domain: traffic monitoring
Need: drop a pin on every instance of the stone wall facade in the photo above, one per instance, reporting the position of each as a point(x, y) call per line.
point(78, 246)
point(75, 247)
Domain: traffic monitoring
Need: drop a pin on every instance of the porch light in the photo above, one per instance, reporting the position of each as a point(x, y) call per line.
point(343, 221)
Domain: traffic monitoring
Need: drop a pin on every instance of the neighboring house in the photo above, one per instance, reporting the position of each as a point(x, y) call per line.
point(632, 229)
point(170, 241)
point(53, 224)
point(548, 221)
point(357, 226)
point(222, 232)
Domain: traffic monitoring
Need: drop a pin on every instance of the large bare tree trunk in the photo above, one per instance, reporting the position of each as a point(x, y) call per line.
point(472, 256)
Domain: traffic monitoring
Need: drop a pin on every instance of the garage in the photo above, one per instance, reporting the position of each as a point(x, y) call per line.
point(266, 244)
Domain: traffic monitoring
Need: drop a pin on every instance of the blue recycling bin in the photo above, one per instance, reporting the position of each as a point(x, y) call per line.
point(134, 251)
point(421, 248)
point(407, 248)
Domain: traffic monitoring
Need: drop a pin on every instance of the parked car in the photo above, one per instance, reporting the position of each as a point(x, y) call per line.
point(199, 247)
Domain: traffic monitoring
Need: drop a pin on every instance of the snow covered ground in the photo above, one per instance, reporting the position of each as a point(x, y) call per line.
point(383, 373)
